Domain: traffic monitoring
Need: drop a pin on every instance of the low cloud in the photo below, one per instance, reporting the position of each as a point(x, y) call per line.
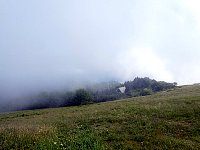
point(47, 45)
point(144, 62)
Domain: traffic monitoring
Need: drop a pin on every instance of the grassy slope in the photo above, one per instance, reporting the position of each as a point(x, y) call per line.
point(167, 120)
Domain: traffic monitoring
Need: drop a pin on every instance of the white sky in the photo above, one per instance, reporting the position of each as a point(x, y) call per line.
point(52, 43)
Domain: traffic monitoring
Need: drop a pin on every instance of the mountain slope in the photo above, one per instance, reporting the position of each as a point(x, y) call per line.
point(166, 120)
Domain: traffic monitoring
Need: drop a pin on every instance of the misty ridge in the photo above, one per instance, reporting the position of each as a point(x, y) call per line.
point(52, 52)
point(86, 94)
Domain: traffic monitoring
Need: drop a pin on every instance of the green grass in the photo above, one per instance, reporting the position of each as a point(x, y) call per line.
point(166, 120)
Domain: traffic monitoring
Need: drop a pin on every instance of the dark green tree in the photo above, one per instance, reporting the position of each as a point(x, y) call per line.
point(82, 97)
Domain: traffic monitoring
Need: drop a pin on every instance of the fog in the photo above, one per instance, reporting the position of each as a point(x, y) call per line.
point(53, 45)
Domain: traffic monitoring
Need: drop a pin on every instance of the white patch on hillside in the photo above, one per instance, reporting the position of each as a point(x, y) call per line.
point(122, 89)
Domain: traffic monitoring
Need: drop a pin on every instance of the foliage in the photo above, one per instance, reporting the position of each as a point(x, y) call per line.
point(106, 91)
point(146, 86)
point(82, 97)
point(145, 92)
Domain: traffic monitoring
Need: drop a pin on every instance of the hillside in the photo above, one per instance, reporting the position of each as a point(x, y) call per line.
point(166, 120)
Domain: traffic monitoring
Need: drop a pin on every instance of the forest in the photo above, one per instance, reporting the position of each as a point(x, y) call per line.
point(101, 92)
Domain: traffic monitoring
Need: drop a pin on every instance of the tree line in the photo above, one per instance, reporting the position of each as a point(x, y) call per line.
point(106, 91)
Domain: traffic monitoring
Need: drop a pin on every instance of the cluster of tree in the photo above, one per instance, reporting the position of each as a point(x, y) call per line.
point(146, 86)
point(107, 91)
point(59, 99)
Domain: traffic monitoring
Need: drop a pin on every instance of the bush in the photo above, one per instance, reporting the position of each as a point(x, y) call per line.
point(145, 92)
point(82, 97)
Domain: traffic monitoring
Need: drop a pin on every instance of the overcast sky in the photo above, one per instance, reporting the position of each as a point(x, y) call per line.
point(55, 42)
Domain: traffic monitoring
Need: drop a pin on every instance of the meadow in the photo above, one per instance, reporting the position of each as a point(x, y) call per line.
point(165, 120)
